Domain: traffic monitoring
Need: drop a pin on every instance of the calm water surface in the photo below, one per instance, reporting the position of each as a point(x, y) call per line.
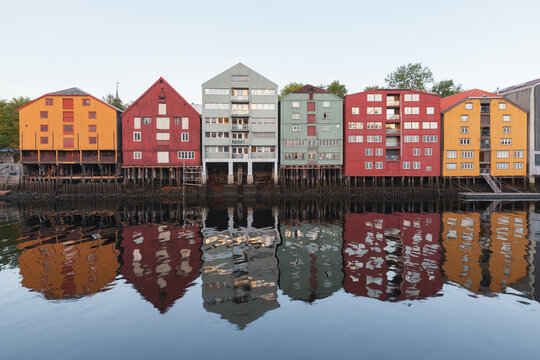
point(298, 280)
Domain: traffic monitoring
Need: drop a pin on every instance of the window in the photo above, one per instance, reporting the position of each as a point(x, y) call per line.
point(428, 152)
point(215, 120)
point(136, 136)
point(374, 110)
point(48, 102)
point(412, 111)
point(464, 141)
point(295, 104)
point(506, 129)
point(451, 154)
point(92, 128)
point(464, 118)
point(86, 102)
point(176, 121)
point(326, 104)
point(91, 114)
point(506, 118)
point(369, 165)
point(518, 165)
point(68, 129)
point(379, 165)
point(464, 129)
point(296, 116)
point(518, 154)
point(326, 116)
point(326, 128)
point(467, 166)
point(263, 92)
point(240, 78)
point(416, 152)
point(502, 106)
point(216, 91)
point(92, 140)
point(295, 128)
point(355, 111)
point(411, 138)
point(147, 120)
point(137, 155)
point(186, 155)
point(44, 128)
point(503, 154)
point(263, 106)
point(185, 136)
point(374, 125)
point(430, 110)
point(468, 106)
point(506, 141)
point(406, 165)
point(502, 166)
point(185, 123)
point(359, 138)
point(412, 97)
point(369, 152)
point(374, 97)
point(430, 138)
point(44, 140)
point(372, 138)
point(216, 106)
point(416, 165)
point(451, 166)
point(163, 136)
point(356, 125)
point(379, 152)
point(467, 154)
point(44, 114)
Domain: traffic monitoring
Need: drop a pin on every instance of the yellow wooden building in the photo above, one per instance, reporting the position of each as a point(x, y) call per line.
point(67, 133)
point(483, 133)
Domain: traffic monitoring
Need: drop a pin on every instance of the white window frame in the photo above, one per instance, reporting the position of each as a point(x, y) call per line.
point(137, 155)
point(185, 137)
point(137, 136)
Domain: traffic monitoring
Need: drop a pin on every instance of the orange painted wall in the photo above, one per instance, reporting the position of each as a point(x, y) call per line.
point(30, 124)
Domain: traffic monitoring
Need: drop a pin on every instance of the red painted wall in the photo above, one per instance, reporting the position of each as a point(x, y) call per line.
point(354, 153)
point(147, 106)
point(371, 238)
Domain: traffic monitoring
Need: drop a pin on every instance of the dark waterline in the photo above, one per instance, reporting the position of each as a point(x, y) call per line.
point(300, 278)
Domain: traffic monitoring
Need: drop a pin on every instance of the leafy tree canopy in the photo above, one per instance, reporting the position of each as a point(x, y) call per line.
point(289, 88)
point(446, 88)
point(372, 87)
point(115, 101)
point(9, 121)
point(335, 88)
point(410, 76)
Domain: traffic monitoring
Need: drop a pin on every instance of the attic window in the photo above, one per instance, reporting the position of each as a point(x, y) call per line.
point(48, 101)
point(240, 78)
point(162, 94)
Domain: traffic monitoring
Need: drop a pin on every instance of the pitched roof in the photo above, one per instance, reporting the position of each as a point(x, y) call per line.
point(70, 91)
point(159, 81)
point(307, 89)
point(520, 86)
point(452, 100)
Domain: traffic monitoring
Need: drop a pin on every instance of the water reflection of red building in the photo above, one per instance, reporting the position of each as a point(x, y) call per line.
point(392, 256)
point(161, 261)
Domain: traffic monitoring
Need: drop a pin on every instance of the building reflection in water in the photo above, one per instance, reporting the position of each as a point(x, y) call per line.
point(161, 261)
point(310, 261)
point(392, 257)
point(66, 257)
point(240, 272)
point(487, 256)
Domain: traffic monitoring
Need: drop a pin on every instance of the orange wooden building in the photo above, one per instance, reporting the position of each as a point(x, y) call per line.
point(69, 133)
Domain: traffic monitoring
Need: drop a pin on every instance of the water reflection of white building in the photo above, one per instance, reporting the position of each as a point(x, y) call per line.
point(240, 272)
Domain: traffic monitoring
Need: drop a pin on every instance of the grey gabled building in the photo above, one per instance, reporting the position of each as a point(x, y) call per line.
point(527, 95)
point(240, 124)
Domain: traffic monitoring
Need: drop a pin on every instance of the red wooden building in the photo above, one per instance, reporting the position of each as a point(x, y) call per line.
point(160, 135)
point(392, 132)
point(392, 257)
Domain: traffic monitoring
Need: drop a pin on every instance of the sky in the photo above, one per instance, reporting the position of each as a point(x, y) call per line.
point(53, 45)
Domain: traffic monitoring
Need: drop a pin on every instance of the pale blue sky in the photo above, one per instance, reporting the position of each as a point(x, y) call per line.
point(52, 45)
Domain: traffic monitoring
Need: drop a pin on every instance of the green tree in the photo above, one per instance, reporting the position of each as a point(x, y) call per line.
point(446, 88)
point(289, 88)
point(115, 101)
point(9, 121)
point(337, 88)
point(410, 76)
point(372, 87)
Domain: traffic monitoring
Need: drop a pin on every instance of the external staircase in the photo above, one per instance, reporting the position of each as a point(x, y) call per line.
point(491, 183)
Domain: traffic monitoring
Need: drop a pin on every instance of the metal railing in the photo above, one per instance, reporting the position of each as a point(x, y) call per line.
point(392, 117)
point(392, 103)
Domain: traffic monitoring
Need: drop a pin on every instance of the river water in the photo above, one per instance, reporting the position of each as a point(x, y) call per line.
point(304, 279)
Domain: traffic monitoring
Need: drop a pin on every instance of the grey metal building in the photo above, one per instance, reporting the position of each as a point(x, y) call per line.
point(240, 124)
point(527, 95)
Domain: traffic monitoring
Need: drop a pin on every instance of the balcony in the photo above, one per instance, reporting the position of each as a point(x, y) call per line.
point(393, 131)
point(239, 156)
point(47, 157)
point(392, 157)
point(484, 133)
point(485, 146)
point(392, 117)
point(240, 141)
point(68, 156)
point(240, 98)
point(216, 155)
point(29, 157)
point(240, 127)
point(392, 141)
point(392, 103)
